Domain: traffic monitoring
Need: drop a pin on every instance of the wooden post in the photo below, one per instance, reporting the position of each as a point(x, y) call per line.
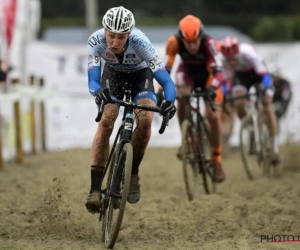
point(19, 159)
point(1, 155)
point(32, 120)
point(19, 144)
point(43, 125)
point(41, 82)
point(15, 81)
point(32, 127)
point(31, 80)
point(43, 118)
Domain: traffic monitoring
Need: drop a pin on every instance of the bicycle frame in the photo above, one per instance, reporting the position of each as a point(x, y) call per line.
point(123, 136)
point(198, 132)
point(190, 110)
point(117, 187)
point(126, 127)
point(254, 109)
point(125, 131)
point(251, 109)
point(196, 110)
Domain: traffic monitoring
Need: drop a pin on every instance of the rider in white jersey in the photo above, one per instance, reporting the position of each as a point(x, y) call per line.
point(248, 60)
point(245, 68)
point(129, 58)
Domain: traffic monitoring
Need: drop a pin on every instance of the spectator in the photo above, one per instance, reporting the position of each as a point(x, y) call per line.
point(3, 71)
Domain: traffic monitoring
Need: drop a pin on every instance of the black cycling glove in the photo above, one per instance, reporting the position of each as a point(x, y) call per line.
point(168, 107)
point(103, 95)
point(211, 92)
point(159, 97)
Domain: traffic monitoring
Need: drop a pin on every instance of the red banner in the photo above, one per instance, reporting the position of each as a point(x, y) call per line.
point(9, 10)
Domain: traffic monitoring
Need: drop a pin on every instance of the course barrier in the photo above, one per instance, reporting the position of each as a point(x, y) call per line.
point(18, 122)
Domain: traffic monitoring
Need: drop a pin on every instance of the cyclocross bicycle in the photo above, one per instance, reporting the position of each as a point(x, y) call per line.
point(195, 151)
point(115, 191)
point(253, 134)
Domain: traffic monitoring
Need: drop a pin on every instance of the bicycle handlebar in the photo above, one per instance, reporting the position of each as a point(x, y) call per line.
point(100, 112)
point(197, 95)
point(259, 91)
point(230, 98)
point(165, 120)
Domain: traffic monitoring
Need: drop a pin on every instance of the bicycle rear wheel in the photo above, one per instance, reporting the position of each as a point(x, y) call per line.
point(120, 183)
point(189, 160)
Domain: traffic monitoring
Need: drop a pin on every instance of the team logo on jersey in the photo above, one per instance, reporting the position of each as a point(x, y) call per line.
point(143, 93)
point(130, 56)
point(94, 40)
point(131, 61)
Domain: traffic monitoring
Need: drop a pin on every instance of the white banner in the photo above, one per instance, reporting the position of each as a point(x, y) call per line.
point(64, 68)
point(70, 118)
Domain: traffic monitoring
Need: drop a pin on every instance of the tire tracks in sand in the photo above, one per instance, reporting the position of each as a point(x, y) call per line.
point(42, 207)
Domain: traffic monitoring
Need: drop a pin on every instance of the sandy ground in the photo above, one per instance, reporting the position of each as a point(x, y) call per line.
point(42, 206)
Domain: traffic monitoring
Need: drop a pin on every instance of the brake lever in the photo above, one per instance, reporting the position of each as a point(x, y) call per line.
point(100, 112)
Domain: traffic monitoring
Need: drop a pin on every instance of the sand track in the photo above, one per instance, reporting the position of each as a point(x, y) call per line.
point(42, 207)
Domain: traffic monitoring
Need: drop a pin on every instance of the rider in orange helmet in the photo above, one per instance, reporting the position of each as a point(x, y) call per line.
point(199, 68)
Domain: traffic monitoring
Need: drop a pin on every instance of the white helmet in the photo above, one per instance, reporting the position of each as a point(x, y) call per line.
point(118, 20)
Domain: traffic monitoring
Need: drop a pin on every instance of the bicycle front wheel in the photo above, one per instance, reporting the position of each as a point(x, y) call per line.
point(251, 144)
point(103, 216)
point(265, 146)
point(189, 162)
point(119, 189)
point(205, 165)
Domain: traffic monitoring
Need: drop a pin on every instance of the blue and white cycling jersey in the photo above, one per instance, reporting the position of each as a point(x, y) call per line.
point(139, 54)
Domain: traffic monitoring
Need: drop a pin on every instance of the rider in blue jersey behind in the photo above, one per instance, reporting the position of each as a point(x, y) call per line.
point(130, 57)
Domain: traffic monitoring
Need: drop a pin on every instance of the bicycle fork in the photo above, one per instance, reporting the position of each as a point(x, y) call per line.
point(257, 139)
point(255, 133)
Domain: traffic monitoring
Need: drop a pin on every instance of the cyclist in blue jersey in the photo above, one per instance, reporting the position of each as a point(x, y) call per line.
point(129, 57)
